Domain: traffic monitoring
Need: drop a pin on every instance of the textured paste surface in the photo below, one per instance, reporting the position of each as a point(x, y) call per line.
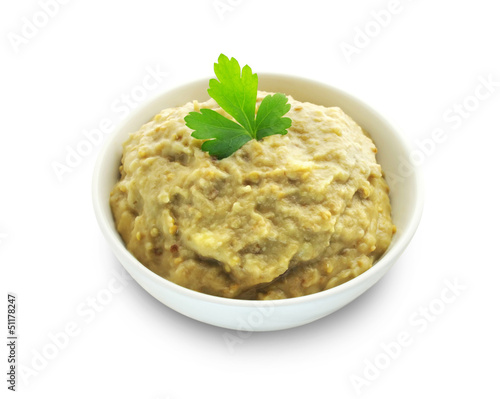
point(282, 217)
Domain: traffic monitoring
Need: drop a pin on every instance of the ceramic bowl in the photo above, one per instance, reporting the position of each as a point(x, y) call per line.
point(405, 195)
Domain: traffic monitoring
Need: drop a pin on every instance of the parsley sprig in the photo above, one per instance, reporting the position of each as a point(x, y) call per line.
point(236, 93)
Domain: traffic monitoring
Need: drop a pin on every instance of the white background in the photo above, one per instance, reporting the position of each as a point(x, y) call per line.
point(430, 57)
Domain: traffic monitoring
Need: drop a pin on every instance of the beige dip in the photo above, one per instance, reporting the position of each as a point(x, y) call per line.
point(283, 217)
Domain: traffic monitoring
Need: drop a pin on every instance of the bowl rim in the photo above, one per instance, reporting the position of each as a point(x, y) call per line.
point(117, 245)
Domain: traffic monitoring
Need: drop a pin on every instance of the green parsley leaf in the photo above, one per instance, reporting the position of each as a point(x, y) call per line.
point(228, 135)
point(236, 93)
point(269, 116)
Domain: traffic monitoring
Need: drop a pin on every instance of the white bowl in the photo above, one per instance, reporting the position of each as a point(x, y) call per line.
point(406, 199)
